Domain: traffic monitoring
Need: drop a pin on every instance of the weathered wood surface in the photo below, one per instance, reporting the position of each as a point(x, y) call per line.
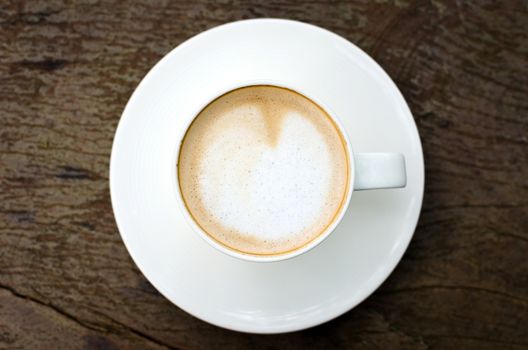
point(66, 72)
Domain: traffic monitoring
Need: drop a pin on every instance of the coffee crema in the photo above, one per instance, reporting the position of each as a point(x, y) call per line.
point(263, 170)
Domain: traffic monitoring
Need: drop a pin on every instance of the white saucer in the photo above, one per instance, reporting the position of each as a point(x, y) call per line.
point(264, 297)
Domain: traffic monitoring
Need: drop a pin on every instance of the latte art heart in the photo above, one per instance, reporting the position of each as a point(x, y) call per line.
point(263, 170)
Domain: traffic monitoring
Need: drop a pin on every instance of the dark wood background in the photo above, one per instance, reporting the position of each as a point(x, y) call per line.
point(66, 72)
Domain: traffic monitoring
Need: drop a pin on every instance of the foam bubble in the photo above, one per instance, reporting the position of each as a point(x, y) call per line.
point(263, 170)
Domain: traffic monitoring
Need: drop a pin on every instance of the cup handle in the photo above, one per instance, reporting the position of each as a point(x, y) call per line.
point(379, 170)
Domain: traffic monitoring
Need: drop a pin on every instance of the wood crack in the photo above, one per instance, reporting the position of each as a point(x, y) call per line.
point(130, 329)
point(48, 64)
point(454, 287)
point(82, 323)
point(475, 206)
point(464, 337)
point(54, 308)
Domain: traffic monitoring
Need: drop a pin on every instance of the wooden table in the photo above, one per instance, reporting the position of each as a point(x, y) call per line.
point(66, 72)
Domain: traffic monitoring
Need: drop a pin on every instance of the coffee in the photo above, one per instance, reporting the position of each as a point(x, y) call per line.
point(263, 170)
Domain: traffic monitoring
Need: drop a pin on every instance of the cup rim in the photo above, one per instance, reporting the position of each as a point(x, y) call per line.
point(248, 256)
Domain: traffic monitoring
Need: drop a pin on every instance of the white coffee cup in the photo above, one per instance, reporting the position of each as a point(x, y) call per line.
point(368, 171)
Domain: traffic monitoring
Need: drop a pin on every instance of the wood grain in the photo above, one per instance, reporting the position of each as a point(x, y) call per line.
point(66, 72)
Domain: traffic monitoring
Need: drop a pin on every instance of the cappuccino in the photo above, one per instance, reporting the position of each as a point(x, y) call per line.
point(263, 170)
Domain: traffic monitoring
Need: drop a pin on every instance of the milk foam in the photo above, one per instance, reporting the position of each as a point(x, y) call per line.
point(263, 170)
